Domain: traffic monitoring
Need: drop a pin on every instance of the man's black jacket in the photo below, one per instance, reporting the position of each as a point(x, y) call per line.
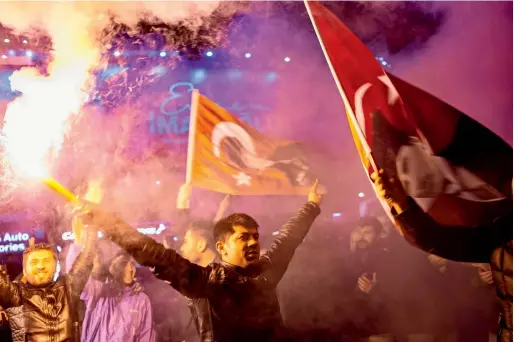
point(242, 304)
point(49, 313)
point(486, 243)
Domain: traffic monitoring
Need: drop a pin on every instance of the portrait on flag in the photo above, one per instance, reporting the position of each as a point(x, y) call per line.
point(227, 155)
point(456, 170)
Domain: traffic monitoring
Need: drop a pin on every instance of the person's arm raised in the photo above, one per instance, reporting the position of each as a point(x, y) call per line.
point(457, 243)
point(10, 294)
point(291, 234)
point(186, 277)
point(222, 209)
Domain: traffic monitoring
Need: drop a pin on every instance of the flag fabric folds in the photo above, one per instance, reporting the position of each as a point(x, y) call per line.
point(456, 170)
point(227, 155)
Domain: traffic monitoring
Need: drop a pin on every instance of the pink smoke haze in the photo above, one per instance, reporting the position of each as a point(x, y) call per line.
point(468, 64)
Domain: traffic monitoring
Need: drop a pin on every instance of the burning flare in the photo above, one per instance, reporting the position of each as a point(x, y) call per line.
point(36, 121)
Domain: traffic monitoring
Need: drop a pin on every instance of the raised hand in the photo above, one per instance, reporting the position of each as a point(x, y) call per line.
point(486, 276)
point(315, 195)
point(365, 284)
point(95, 192)
point(184, 195)
point(225, 203)
point(390, 190)
point(222, 209)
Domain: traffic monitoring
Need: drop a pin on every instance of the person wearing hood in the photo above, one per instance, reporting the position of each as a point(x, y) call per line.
point(122, 312)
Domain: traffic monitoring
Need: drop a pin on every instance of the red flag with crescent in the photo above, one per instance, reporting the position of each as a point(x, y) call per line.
point(455, 169)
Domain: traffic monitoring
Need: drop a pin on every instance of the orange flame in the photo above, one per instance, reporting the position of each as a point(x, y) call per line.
point(35, 123)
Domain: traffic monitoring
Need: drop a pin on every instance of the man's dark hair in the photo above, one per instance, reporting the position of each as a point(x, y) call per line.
point(38, 247)
point(204, 228)
point(117, 266)
point(373, 222)
point(225, 226)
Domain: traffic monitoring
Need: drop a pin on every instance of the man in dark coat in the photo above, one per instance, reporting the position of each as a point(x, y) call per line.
point(47, 307)
point(241, 289)
point(491, 243)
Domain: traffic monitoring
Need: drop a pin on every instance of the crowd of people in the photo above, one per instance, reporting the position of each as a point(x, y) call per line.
point(359, 284)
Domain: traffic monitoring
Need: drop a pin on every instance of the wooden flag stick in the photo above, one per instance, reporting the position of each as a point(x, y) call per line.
point(195, 98)
point(341, 90)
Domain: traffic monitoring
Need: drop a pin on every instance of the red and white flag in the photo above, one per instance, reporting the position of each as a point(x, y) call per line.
point(456, 170)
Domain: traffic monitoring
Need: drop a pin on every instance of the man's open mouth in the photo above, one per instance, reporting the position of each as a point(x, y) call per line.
point(252, 255)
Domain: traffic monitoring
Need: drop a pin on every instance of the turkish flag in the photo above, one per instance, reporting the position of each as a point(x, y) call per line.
point(455, 169)
point(229, 156)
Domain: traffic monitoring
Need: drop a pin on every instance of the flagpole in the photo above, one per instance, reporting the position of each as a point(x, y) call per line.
point(195, 97)
point(347, 104)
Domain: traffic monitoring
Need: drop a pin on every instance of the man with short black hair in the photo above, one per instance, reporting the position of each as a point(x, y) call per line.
point(198, 246)
point(241, 289)
point(237, 239)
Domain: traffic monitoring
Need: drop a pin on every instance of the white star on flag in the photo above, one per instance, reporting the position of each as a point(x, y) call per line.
point(242, 179)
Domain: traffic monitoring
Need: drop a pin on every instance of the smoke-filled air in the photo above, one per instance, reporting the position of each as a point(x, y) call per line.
point(255, 171)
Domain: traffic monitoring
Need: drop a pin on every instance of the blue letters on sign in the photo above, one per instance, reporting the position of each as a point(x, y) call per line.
point(179, 99)
point(172, 122)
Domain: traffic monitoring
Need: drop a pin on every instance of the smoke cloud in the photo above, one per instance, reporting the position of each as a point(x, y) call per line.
point(79, 32)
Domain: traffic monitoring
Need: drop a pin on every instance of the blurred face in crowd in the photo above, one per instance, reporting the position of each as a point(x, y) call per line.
point(364, 236)
point(129, 273)
point(40, 267)
point(193, 246)
point(242, 248)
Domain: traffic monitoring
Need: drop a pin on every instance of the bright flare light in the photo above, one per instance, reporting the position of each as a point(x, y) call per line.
point(35, 123)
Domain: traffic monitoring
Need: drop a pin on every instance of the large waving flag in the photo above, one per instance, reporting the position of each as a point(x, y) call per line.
point(456, 170)
point(227, 155)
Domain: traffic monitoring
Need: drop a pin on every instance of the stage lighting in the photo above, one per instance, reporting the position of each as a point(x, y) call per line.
point(117, 53)
point(4, 57)
point(158, 182)
point(361, 194)
point(162, 54)
point(25, 41)
point(271, 76)
point(199, 75)
point(209, 53)
point(29, 53)
point(287, 59)
point(7, 40)
point(12, 52)
point(337, 215)
point(248, 55)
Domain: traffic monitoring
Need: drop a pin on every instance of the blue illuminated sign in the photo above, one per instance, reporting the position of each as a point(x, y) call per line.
point(172, 121)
